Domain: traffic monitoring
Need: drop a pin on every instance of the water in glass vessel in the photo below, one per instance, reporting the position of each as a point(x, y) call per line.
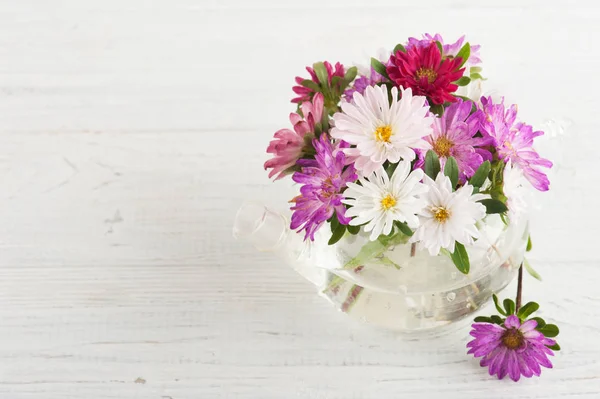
point(387, 282)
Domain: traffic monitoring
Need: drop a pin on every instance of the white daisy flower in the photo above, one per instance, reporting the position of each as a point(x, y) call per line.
point(379, 200)
point(515, 188)
point(448, 216)
point(381, 131)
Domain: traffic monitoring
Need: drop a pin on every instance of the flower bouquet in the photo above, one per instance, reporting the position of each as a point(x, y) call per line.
point(411, 210)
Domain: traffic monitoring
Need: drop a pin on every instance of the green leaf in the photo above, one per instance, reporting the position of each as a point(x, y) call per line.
point(497, 193)
point(497, 319)
point(337, 234)
point(509, 306)
point(388, 262)
point(311, 85)
point(498, 307)
point(464, 54)
point(353, 229)
point(379, 67)
point(555, 347)
point(335, 80)
point(376, 248)
point(324, 122)
point(549, 330)
point(529, 244)
point(432, 164)
point(541, 322)
point(451, 170)
point(399, 47)
point(475, 69)
point(390, 169)
point(440, 47)
point(334, 223)
point(321, 73)
point(478, 179)
point(437, 109)
point(530, 270)
point(493, 205)
point(476, 75)
point(350, 74)
point(403, 227)
point(482, 319)
point(527, 309)
point(460, 257)
point(465, 80)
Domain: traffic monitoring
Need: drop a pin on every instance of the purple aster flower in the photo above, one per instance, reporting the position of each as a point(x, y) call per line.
point(454, 136)
point(323, 179)
point(361, 83)
point(514, 141)
point(515, 349)
point(448, 49)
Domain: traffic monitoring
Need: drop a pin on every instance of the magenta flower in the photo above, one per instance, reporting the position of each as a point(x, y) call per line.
point(306, 94)
point(288, 146)
point(449, 50)
point(454, 136)
point(426, 73)
point(323, 179)
point(514, 141)
point(515, 349)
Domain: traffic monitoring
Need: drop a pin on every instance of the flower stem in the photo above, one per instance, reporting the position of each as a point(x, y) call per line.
point(519, 288)
point(413, 249)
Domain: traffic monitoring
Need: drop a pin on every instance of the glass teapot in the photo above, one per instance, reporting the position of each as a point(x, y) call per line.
point(389, 282)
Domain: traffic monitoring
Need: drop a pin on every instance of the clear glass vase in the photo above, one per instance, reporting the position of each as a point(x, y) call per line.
point(388, 283)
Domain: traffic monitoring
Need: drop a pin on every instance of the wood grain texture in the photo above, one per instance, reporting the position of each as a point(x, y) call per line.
point(131, 131)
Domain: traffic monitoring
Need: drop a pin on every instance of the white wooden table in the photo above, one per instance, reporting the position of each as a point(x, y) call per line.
point(132, 130)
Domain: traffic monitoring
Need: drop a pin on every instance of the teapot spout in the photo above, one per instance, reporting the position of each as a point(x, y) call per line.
point(263, 228)
point(268, 231)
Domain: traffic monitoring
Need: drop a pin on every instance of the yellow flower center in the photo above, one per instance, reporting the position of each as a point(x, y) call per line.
point(512, 338)
point(428, 73)
point(440, 214)
point(442, 147)
point(387, 202)
point(383, 133)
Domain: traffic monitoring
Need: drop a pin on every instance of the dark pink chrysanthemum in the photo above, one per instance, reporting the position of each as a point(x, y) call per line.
point(454, 135)
point(513, 349)
point(514, 141)
point(288, 145)
point(306, 94)
point(423, 70)
point(323, 179)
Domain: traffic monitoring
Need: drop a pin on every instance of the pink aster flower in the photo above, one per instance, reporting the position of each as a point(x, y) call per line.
point(423, 70)
point(323, 178)
point(454, 136)
point(515, 349)
point(449, 50)
point(306, 94)
point(514, 141)
point(289, 145)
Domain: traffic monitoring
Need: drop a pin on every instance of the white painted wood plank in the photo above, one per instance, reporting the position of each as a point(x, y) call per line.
point(102, 283)
point(125, 154)
point(177, 65)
